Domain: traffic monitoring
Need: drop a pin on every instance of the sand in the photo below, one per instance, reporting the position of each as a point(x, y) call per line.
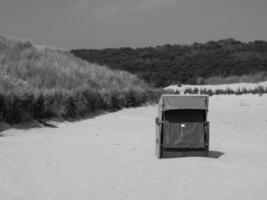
point(111, 156)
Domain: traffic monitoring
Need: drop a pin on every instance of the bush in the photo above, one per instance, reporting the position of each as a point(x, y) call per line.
point(213, 62)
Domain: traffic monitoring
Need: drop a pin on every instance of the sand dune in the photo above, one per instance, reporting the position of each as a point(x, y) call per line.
point(112, 156)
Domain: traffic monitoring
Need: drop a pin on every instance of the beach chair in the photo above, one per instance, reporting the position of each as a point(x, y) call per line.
point(182, 128)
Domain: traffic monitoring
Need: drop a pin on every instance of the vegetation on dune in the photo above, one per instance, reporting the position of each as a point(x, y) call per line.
point(38, 83)
point(260, 90)
point(208, 63)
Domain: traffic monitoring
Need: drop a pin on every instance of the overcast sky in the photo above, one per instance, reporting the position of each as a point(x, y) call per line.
point(136, 23)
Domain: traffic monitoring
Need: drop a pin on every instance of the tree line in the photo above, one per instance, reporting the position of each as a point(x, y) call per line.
point(179, 64)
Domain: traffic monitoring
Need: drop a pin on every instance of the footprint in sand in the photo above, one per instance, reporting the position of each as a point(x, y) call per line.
point(242, 104)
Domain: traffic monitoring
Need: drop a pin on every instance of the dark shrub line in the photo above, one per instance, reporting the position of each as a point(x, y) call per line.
point(213, 62)
point(258, 90)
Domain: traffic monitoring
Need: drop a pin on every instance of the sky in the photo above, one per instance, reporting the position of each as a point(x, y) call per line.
point(73, 24)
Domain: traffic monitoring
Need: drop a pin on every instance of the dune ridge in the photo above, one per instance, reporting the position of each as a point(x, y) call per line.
point(37, 83)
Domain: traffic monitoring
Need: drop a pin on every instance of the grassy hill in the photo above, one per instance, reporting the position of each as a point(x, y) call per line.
point(223, 61)
point(37, 83)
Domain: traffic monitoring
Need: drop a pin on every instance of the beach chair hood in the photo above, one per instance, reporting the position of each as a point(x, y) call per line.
point(173, 102)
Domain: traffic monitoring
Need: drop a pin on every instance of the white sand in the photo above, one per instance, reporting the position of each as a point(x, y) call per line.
point(112, 157)
point(234, 86)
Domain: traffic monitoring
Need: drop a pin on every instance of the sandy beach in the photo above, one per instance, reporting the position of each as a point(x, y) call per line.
point(111, 156)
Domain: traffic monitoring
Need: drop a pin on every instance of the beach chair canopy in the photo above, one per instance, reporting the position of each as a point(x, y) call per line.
point(175, 102)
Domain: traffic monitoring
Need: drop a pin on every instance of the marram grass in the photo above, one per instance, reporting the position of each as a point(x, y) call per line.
point(43, 83)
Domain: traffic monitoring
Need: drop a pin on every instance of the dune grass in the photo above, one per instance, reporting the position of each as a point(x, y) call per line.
point(260, 90)
point(43, 83)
